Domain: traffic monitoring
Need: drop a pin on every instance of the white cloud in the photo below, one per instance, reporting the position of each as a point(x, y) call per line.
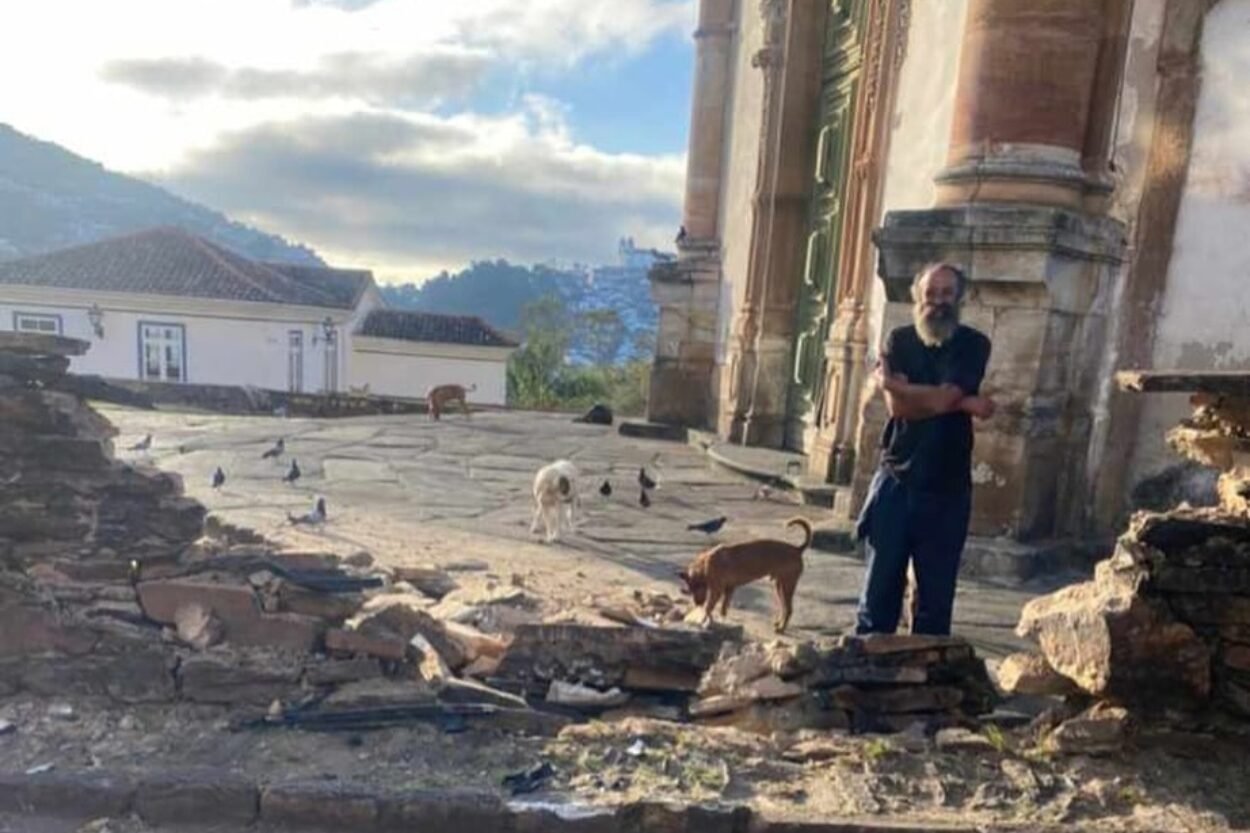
point(330, 102)
point(422, 192)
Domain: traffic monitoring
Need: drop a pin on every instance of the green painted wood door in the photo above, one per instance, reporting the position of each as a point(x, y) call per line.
point(814, 311)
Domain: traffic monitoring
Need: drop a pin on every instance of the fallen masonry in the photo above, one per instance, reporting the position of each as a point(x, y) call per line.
point(124, 593)
point(122, 590)
point(1163, 628)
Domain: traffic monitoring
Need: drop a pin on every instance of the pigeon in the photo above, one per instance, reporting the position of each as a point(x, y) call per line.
point(316, 516)
point(763, 493)
point(708, 527)
point(644, 481)
point(219, 478)
point(143, 444)
point(681, 235)
point(643, 499)
point(276, 451)
point(293, 473)
point(606, 489)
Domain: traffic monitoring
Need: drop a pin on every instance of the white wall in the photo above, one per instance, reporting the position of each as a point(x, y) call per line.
point(219, 350)
point(1204, 323)
point(400, 370)
point(924, 107)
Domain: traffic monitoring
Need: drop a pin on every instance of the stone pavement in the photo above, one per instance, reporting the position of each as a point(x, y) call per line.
point(411, 491)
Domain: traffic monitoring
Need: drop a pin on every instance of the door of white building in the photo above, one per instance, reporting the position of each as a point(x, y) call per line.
point(295, 361)
point(162, 352)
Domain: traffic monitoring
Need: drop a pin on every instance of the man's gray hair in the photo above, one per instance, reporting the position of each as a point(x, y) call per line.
point(961, 278)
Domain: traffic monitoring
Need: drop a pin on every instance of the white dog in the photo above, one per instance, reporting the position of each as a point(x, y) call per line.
point(556, 498)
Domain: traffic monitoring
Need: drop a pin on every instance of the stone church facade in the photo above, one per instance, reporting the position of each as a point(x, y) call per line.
point(1087, 162)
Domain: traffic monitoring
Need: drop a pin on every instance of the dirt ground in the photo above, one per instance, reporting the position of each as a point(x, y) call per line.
point(1172, 783)
point(456, 495)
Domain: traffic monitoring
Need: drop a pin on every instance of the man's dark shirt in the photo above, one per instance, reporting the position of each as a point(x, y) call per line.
point(934, 454)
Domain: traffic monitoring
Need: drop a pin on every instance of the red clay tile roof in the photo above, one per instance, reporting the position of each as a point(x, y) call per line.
point(410, 325)
point(170, 261)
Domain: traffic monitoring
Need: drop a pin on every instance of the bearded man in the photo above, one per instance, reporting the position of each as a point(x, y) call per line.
point(921, 496)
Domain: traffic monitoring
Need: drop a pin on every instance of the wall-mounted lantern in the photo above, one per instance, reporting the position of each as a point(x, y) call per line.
point(96, 316)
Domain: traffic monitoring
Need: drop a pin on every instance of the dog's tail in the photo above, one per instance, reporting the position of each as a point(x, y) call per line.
point(805, 525)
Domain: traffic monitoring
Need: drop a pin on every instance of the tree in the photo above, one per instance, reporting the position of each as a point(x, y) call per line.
point(534, 369)
point(603, 332)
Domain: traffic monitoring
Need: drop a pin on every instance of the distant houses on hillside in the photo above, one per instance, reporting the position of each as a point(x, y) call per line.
point(164, 305)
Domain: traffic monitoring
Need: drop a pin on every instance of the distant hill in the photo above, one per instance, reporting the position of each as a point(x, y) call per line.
point(498, 291)
point(52, 199)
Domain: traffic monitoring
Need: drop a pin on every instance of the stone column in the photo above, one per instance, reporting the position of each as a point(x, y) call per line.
point(1019, 210)
point(688, 291)
point(1022, 108)
point(761, 348)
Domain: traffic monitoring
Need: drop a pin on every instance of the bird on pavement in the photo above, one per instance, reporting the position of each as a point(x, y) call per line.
point(643, 500)
point(708, 527)
point(606, 489)
point(293, 473)
point(143, 444)
point(219, 478)
point(316, 516)
point(644, 481)
point(276, 451)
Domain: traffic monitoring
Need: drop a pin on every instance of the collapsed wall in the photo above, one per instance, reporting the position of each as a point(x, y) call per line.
point(1164, 625)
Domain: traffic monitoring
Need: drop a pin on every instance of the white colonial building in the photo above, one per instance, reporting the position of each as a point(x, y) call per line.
point(166, 306)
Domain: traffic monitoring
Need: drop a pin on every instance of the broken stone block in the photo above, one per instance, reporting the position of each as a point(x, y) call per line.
point(904, 699)
point(228, 677)
point(236, 607)
point(369, 694)
point(388, 647)
point(601, 656)
point(653, 679)
point(406, 622)
point(810, 711)
point(334, 608)
point(28, 630)
point(328, 672)
point(734, 670)
point(1024, 673)
point(430, 665)
point(431, 581)
point(1099, 730)
point(198, 627)
point(481, 668)
point(958, 739)
point(580, 696)
point(141, 674)
point(473, 642)
point(1112, 641)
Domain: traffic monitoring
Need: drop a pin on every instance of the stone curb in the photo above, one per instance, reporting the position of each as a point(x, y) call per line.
point(199, 797)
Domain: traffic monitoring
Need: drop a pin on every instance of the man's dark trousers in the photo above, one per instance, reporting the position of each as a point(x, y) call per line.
point(929, 528)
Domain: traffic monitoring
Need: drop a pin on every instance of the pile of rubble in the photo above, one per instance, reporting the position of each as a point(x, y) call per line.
point(865, 684)
point(114, 584)
point(1163, 628)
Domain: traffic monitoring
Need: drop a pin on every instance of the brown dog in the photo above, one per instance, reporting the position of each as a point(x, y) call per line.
point(441, 396)
point(714, 574)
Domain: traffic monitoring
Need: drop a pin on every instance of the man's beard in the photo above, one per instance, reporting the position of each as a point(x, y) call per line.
point(937, 324)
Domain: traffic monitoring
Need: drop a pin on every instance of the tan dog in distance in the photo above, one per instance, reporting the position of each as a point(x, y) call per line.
point(715, 574)
point(441, 396)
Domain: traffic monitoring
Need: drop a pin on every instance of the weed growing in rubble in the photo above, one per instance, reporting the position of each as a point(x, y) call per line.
point(876, 749)
point(997, 738)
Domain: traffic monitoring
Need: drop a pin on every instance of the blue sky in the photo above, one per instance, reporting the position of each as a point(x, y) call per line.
point(405, 136)
point(619, 103)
